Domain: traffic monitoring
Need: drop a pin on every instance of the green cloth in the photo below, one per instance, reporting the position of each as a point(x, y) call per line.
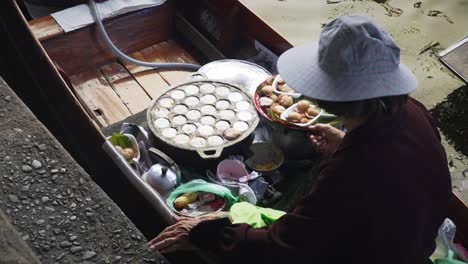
point(255, 216)
point(449, 259)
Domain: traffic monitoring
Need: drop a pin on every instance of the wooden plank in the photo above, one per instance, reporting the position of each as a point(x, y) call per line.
point(45, 28)
point(98, 98)
point(148, 78)
point(196, 39)
point(167, 51)
point(248, 25)
point(129, 91)
point(130, 33)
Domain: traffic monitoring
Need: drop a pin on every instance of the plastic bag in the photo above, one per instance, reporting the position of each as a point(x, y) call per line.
point(252, 215)
point(446, 252)
point(201, 186)
point(449, 259)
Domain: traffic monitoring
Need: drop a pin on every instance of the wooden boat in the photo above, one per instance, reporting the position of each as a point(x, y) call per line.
point(78, 86)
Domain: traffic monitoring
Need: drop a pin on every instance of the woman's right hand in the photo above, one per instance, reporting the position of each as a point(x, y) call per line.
point(326, 138)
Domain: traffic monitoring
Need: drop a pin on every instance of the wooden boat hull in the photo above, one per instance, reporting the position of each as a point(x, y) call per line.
point(42, 53)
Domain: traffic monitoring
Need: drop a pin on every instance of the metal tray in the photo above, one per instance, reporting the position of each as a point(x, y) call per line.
point(168, 116)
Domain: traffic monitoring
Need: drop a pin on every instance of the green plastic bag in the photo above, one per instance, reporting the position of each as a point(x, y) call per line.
point(255, 216)
point(449, 259)
point(199, 185)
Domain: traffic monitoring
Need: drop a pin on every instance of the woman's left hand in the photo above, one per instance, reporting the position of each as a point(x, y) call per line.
point(175, 237)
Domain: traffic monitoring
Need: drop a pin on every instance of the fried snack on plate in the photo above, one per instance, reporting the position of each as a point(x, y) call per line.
point(267, 90)
point(265, 101)
point(302, 106)
point(285, 100)
point(312, 111)
point(294, 117)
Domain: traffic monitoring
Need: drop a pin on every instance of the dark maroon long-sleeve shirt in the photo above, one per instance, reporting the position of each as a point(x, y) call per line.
point(380, 199)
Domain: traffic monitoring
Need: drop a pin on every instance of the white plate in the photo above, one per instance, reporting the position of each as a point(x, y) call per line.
point(275, 89)
point(291, 108)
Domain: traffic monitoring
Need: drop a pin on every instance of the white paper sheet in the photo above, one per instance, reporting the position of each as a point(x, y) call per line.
point(80, 16)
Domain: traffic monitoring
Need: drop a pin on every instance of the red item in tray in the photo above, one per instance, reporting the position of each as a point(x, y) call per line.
point(215, 204)
point(206, 196)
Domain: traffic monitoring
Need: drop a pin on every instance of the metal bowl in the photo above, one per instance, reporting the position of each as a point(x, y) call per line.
point(266, 157)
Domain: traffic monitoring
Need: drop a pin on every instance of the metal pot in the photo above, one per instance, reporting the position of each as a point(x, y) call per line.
point(293, 142)
point(160, 123)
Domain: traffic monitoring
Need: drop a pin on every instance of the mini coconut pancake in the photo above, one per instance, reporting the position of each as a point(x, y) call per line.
point(223, 104)
point(222, 91)
point(179, 120)
point(207, 88)
point(161, 123)
point(205, 130)
point(208, 99)
point(177, 94)
point(189, 128)
point(191, 101)
point(208, 120)
point(193, 114)
point(166, 102)
point(169, 132)
point(215, 140)
point(242, 105)
point(198, 142)
point(222, 125)
point(235, 97)
point(180, 109)
point(181, 139)
point(227, 114)
point(241, 126)
point(245, 116)
point(231, 134)
point(191, 90)
point(160, 112)
point(208, 110)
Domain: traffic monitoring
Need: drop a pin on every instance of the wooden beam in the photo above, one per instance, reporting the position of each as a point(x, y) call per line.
point(200, 42)
point(168, 51)
point(84, 49)
point(149, 78)
point(45, 28)
point(128, 90)
point(98, 98)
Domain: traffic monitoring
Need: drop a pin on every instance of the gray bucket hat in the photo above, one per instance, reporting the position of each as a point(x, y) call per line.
point(355, 59)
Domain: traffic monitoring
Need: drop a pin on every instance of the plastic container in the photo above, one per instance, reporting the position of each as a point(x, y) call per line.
point(231, 170)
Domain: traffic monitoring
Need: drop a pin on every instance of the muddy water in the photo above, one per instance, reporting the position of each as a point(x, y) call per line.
point(452, 118)
point(413, 24)
point(300, 21)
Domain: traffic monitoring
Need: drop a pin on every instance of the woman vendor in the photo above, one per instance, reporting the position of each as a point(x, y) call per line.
point(384, 189)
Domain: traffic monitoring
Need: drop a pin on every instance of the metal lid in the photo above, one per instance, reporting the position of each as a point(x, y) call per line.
point(246, 75)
